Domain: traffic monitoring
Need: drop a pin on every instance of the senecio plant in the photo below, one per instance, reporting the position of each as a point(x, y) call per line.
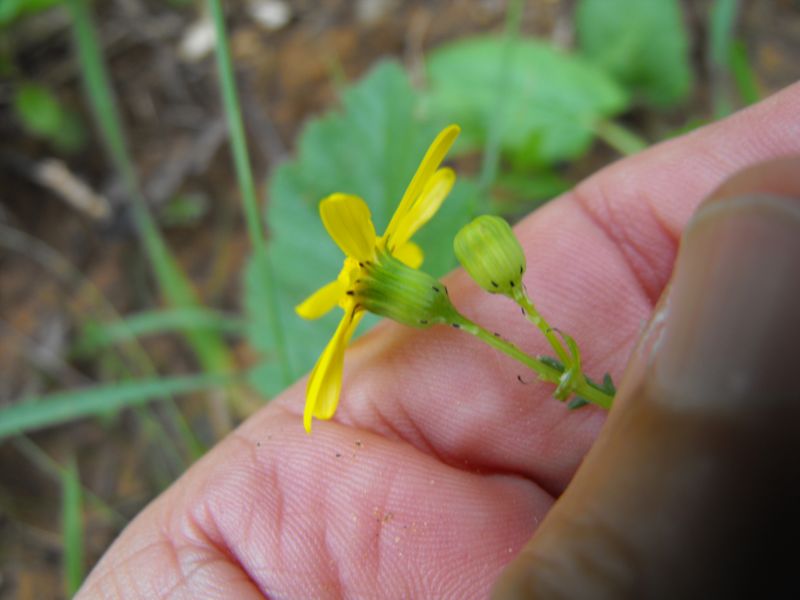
point(380, 274)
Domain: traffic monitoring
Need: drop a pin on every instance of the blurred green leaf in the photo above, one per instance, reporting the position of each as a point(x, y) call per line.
point(72, 527)
point(643, 43)
point(183, 210)
point(608, 384)
point(721, 29)
point(516, 192)
point(43, 115)
point(553, 99)
point(371, 148)
point(730, 66)
point(11, 10)
point(744, 74)
point(60, 407)
point(97, 335)
point(576, 403)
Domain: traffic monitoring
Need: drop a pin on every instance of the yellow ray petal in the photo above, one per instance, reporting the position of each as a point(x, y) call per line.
point(429, 201)
point(321, 301)
point(349, 223)
point(325, 381)
point(433, 158)
point(409, 254)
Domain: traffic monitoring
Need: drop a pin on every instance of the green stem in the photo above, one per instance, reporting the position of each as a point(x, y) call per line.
point(593, 394)
point(72, 527)
point(230, 99)
point(490, 165)
point(620, 138)
point(524, 302)
point(43, 461)
point(545, 371)
point(244, 176)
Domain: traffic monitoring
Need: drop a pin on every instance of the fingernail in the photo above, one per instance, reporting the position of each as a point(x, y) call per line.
point(731, 320)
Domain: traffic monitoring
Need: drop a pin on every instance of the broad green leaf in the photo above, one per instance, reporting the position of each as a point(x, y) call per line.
point(370, 147)
point(60, 407)
point(643, 43)
point(550, 103)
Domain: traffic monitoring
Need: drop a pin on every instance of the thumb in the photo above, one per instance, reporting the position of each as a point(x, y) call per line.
point(693, 487)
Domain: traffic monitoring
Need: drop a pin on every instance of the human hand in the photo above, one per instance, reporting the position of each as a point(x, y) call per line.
point(440, 464)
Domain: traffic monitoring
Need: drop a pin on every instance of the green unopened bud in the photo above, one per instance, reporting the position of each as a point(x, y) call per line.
point(491, 254)
point(391, 289)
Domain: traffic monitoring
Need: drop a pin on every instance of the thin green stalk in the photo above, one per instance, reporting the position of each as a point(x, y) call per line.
point(588, 392)
point(542, 369)
point(546, 372)
point(153, 322)
point(72, 524)
point(54, 409)
point(620, 138)
point(233, 113)
point(524, 302)
point(721, 27)
point(208, 346)
point(48, 465)
point(244, 176)
point(744, 75)
point(494, 127)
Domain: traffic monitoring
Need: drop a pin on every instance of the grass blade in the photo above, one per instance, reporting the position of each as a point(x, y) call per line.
point(72, 524)
point(100, 335)
point(54, 469)
point(207, 345)
point(244, 176)
point(744, 75)
point(57, 408)
point(491, 157)
point(730, 67)
point(230, 99)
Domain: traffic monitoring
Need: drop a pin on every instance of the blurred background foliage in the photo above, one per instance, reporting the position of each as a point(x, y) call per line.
point(160, 168)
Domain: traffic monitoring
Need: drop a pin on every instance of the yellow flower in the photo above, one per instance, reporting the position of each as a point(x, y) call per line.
point(348, 221)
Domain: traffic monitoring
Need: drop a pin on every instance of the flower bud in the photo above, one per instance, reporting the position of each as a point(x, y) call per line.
point(491, 254)
point(391, 289)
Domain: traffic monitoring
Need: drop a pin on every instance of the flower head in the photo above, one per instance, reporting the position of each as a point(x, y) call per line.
point(349, 223)
point(490, 252)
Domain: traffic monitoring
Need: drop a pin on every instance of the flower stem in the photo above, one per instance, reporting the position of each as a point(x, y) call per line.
point(545, 371)
point(594, 394)
point(524, 302)
point(542, 369)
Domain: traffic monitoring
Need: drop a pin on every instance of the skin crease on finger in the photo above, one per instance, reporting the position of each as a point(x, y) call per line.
point(439, 464)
